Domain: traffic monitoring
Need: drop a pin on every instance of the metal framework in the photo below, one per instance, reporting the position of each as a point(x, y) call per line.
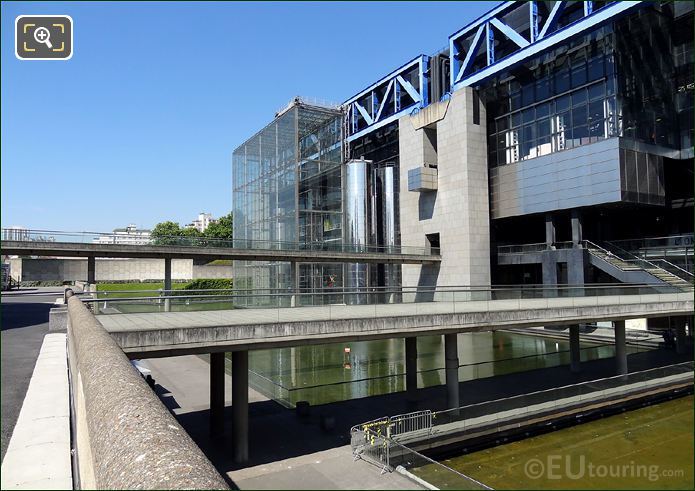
point(396, 94)
point(538, 31)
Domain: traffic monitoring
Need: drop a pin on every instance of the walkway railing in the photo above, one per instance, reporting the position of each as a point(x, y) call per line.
point(374, 442)
point(124, 239)
point(144, 301)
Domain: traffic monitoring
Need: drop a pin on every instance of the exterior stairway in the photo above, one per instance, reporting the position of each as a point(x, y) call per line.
point(633, 269)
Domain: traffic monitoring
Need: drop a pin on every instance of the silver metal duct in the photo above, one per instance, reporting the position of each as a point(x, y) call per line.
point(356, 230)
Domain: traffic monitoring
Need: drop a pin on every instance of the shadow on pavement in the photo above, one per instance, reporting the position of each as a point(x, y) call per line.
point(277, 433)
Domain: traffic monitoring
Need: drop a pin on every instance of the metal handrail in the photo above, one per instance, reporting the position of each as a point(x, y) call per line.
point(675, 266)
point(233, 243)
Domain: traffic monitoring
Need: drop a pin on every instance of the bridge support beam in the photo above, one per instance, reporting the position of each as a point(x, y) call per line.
point(411, 368)
point(167, 283)
point(452, 370)
point(575, 351)
point(240, 405)
point(620, 348)
point(216, 394)
point(91, 270)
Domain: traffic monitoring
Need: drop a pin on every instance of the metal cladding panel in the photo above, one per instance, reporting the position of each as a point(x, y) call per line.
point(584, 176)
point(388, 207)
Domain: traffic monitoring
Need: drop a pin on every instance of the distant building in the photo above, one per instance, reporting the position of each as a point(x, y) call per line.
point(202, 222)
point(130, 235)
point(15, 233)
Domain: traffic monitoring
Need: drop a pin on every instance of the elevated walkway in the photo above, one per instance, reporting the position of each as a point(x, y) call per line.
point(172, 333)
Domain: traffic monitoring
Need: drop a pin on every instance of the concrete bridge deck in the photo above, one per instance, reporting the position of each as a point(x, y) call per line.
point(76, 249)
point(174, 333)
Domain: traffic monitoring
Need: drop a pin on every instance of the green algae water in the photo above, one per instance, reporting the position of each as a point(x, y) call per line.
point(323, 374)
point(648, 448)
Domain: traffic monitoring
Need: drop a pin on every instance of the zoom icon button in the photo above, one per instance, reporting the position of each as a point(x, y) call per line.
point(43, 37)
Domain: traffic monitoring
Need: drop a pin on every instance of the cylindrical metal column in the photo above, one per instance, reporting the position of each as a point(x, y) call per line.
point(356, 230)
point(216, 394)
point(411, 368)
point(240, 405)
point(575, 351)
point(388, 227)
point(620, 348)
point(451, 364)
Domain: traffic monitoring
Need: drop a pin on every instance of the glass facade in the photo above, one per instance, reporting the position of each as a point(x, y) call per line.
point(286, 191)
point(560, 101)
point(632, 78)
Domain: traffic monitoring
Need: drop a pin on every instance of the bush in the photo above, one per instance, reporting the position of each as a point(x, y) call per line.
point(210, 284)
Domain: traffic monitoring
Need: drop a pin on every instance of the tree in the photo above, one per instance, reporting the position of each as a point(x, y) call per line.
point(221, 228)
point(163, 232)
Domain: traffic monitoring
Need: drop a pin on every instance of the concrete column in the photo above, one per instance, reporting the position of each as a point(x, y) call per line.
point(91, 270)
point(575, 351)
point(452, 370)
point(167, 273)
point(240, 405)
point(680, 335)
point(216, 394)
point(577, 235)
point(167, 283)
point(411, 368)
point(620, 348)
point(549, 230)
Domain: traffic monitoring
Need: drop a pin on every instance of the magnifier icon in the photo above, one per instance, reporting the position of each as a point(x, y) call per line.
point(43, 36)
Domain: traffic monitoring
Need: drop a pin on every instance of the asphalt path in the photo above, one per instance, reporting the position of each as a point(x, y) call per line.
point(24, 322)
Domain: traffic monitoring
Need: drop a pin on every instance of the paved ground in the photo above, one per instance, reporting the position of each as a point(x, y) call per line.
point(24, 323)
point(292, 463)
point(288, 452)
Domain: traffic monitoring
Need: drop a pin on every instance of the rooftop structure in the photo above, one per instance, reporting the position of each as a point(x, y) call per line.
point(129, 235)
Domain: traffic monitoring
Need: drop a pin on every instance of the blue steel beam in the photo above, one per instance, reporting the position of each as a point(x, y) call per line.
point(458, 71)
point(547, 41)
point(513, 36)
point(391, 85)
point(552, 18)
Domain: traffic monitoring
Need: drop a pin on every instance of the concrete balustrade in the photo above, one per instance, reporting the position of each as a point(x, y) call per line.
point(125, 437)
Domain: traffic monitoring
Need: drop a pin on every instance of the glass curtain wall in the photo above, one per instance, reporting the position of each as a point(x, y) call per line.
point(286, 193)
point(558, 101)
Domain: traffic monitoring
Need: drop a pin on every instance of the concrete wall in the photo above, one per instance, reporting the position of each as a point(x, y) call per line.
point(459, 209)
point(113, 269)
point(125, 437)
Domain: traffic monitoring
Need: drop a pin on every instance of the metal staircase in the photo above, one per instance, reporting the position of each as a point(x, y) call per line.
point(631, 266)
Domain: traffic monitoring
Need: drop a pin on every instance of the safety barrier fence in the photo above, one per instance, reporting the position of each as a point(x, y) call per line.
point(199, 300)
point(140, 241)
point(270, 385)
point(387, 441)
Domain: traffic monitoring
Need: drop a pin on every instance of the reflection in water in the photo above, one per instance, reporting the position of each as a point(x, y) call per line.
point(648, 448)
point(320, 374)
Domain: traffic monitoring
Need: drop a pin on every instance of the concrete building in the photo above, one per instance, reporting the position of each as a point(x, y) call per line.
point(202, 222)
point(551, 142)
point(130, 235)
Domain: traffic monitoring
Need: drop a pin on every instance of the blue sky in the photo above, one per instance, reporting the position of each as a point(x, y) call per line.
point(139, 126)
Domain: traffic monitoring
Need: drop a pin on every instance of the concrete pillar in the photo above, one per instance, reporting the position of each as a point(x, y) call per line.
point(167, 273)
point(240, 405)
point(549, 230)
point(91, 270)
point(452, 370)
point(216, 394)
point(167, 283)
point(620, 348)
point(575, 351)
point(577, 234)
point(411, 368)
point(680, 335)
